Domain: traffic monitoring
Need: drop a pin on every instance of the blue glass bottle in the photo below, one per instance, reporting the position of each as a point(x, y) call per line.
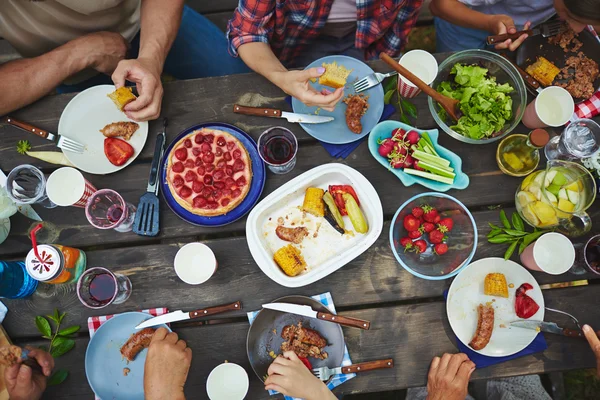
point(15, 282)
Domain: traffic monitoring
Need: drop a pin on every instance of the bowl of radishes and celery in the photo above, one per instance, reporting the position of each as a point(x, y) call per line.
point(415, 156)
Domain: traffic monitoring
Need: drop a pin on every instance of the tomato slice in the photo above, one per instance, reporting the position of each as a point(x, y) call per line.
point(305, 362)
point(337, 191)
point(117, 151)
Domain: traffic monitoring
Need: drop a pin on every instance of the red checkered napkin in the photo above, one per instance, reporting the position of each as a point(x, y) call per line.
point(95, 322)
point(590, 107)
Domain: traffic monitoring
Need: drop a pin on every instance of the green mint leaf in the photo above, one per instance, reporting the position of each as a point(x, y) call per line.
point(56, 315)
point(518, 221)
point(58, 377)
point(63, 346)
point(43, 325)
point(390, 84)
point(51, 318)
point(510, 250)
point(409, 108)
point(504, 220)
point(47, 337)
point(62, 316)
point(388, 96)
point(404, 118)
point(69, 330)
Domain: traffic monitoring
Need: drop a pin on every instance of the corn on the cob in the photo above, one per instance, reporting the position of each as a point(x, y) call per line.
point(313, 202)
point(122, 96)
point(290, 260)
point(495, 285)
point(543, 71)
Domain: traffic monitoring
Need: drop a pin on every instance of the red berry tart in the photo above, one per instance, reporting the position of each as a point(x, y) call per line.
point(209, 172)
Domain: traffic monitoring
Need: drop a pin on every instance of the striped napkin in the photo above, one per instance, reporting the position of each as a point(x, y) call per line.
point(336, 380)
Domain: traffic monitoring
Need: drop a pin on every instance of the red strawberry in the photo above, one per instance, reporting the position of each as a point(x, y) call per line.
point(385, 147)
point(411, 223)
point(406, 243)
point(412, 137)
point(181, 154)
point(398, 134)
point(417, 212)
point(415, 234)
point(427, 227)
point(436, 237)
point(440, 248)
point(446, 225)
point(429, 213)
point(437, 219)
point(420, 246)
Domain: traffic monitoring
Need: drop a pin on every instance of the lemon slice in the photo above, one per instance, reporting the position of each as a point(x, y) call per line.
point(575, 186)
point(562, 194)
point(573, 196)
point(528, 180)
point(549, 177)
point(529, 215)
point(535, 190)
point(545, 213)
point(525, 198)
point(513, 161)
point(566, 205)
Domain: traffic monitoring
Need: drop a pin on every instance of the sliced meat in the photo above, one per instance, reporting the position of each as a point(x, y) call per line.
point(304, 342)
point(136, 343)
point(356, 107)
point(120, 129)
point(310, 336)
point(485, 326)
point(294, 235)
point(578, 76)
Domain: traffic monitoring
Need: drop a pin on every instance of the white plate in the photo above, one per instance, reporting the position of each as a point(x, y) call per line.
point(82, 119)
point(466, 293)
point(329, 251)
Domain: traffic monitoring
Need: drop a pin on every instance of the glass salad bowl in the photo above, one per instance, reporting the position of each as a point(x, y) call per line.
point(497, 66)
point(461, 240)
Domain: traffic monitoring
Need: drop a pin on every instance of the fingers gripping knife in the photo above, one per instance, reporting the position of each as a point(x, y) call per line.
point(147, 221)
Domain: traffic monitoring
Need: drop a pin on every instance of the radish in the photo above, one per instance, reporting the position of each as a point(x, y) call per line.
point(385, 147)
point(412, 137)
point(398, 134)
point(408, 161)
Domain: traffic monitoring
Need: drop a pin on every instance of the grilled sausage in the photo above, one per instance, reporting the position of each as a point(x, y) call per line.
point(485, 326)
point(136, 343)
point(116, 129)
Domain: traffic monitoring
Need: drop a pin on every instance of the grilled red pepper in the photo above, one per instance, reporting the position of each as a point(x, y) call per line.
point(337, 191)
point(306, 362)
point(525, 306)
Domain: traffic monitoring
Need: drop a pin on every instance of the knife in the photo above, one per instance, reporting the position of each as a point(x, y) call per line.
point(546, 30)
point(307, 311)
point(548, 327)
point(274, 113)
point(26, 209)
point(183, 316)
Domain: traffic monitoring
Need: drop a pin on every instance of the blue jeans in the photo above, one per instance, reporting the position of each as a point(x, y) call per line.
point(199, 51)
point(450, 37)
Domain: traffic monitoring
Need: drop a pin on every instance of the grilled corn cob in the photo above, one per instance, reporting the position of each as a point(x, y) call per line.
point(543, 71)
point(122, 96)
point(495, 285)
point(290, 260)
point(313, 202)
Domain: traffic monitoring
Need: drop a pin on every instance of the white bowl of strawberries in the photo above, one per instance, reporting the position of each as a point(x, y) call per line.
point(433, 236)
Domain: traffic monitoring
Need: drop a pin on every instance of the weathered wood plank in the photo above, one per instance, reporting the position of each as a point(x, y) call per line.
point(411, 334)
point(373, 278)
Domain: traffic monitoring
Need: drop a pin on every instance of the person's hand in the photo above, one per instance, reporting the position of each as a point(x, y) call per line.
point(594, 342)
point(146, 75)
point(289, 376)
point(101, 51)
point(22, 383)
point(449, 376)
point(297, 84)
point(500, 24)
point(167, 365)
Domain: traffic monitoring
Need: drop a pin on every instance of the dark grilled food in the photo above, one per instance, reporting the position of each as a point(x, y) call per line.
point(485, 327)
point(136, 343)
point(294, 235)
point(578, 76)
point(565, 39)
point(124, 129)
point(304, 342)
point(357, 106)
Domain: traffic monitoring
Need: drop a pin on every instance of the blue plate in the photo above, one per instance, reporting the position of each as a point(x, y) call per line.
point(337, 132)
point(104, 363)
point(384, 130)
point(256, 186)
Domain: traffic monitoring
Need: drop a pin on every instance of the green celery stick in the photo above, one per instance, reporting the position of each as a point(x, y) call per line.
point(429, 175)
point(436, 170)
point(431, 159)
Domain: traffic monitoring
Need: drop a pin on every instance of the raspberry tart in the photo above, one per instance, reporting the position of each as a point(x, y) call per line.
point(209, 172)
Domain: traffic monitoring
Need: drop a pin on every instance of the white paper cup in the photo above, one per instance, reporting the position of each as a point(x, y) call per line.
point(420, 63)
point(553, 253)
point(67, 187)
point(227, 381)
point(195, 263)
point(553, 106)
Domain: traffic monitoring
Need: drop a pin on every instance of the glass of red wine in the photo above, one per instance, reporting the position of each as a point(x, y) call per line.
point(277, 147)
point(98, 287)
point(587, 257)
point(106, 209)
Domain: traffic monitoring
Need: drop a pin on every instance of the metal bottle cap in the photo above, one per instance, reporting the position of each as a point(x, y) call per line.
point(48, 267)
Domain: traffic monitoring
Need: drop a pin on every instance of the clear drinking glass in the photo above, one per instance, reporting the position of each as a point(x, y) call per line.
point(98, 287)
point(588, 257)
point(277, 147)
point(580, 139)
point(106, 209)
point(26, 184)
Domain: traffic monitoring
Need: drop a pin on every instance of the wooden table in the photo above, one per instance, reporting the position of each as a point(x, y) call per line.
point(407, 314)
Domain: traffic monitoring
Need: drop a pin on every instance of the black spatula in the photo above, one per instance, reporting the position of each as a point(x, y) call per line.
point(146, 222)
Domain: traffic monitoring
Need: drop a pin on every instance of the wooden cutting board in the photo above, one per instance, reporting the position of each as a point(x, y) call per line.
point(4, 341)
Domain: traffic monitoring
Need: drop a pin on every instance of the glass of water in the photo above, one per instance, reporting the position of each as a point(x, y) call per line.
point(580, 139)
point(106, 209)
point(26, 184)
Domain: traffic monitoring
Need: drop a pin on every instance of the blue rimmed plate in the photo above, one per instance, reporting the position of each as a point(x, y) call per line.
point(256, 186)
point(384, 130)
point(104, 363)
point(336, 131)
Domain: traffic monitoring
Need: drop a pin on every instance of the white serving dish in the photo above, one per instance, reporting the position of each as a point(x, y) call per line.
point(332, 256)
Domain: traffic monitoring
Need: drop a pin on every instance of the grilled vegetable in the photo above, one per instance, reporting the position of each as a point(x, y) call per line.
point(329, 217)
point(495, 285)
point(337, 191)
point(290, 260)
point(543, 71)
point(52, 157)
point(335, 212)
point(313, 202)
point(356, 216)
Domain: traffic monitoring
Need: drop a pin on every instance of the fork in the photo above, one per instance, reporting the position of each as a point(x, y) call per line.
point(61, 142)
point(371, 80)
point(324, 373)
point(546, 30)
point(567, 314)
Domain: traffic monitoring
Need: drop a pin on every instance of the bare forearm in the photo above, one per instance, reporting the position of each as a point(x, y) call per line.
point(26, 80)
point(160, 22)
point(459, 14)
point(261, 59)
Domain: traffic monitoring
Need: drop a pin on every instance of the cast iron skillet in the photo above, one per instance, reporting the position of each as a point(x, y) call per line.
point(537, 46)
point(261, 338)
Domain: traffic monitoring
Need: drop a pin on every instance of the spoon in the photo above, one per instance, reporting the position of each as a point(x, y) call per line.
point(450, 105)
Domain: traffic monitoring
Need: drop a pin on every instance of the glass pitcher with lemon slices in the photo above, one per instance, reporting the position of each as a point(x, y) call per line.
point(557, 198)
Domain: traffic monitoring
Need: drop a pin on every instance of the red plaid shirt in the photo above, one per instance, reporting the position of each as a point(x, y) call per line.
point(289, 26)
